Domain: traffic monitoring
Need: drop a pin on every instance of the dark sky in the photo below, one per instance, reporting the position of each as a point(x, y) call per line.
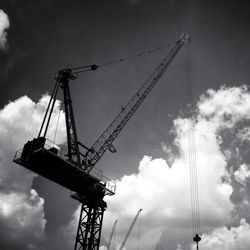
point(46, 36)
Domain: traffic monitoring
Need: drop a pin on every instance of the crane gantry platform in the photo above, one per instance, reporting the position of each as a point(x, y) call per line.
point(74, 167)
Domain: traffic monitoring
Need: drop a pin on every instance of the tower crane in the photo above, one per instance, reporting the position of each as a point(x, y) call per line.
point(74, 168)
point(111, 235)
point(130, 229)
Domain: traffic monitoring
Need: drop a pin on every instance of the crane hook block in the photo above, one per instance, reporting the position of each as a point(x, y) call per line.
point(197, 238)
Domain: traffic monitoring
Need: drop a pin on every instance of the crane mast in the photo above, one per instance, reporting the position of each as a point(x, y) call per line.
point(130, 229)
point(76, 170)
point(64, 77)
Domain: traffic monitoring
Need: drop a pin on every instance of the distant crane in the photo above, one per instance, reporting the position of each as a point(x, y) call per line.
point(111, 235)
point(129, 230)
point(74, 168)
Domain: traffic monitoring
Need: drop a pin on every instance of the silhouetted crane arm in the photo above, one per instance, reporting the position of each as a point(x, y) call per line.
point(111, 235)
point(104, 142)
point(130, 229)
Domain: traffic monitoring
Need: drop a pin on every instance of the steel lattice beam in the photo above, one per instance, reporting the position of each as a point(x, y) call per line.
point(90, 225)
point(109, 135)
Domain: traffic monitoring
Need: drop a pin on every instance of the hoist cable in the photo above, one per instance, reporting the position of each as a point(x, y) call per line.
point(194, 189)
point(193, 178)
point(196, 184)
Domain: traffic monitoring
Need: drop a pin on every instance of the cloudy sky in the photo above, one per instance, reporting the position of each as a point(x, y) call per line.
point(206, 85)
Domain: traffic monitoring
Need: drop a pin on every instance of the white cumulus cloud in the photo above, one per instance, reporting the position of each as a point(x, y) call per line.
point(226, 106)
point(227, 238)
point(162, 188)
point(4, 25)
point(21, 208)
point(242, 175)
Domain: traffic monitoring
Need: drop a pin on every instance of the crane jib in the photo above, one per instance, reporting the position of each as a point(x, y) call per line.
point(110, 134)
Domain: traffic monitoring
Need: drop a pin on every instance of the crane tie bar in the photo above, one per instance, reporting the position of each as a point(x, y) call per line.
point(92, 67)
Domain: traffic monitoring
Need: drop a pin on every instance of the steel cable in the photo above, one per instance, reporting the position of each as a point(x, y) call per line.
point(192, 153)
point(83, 69)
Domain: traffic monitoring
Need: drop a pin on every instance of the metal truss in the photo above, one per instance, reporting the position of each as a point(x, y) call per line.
point(90, 225)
